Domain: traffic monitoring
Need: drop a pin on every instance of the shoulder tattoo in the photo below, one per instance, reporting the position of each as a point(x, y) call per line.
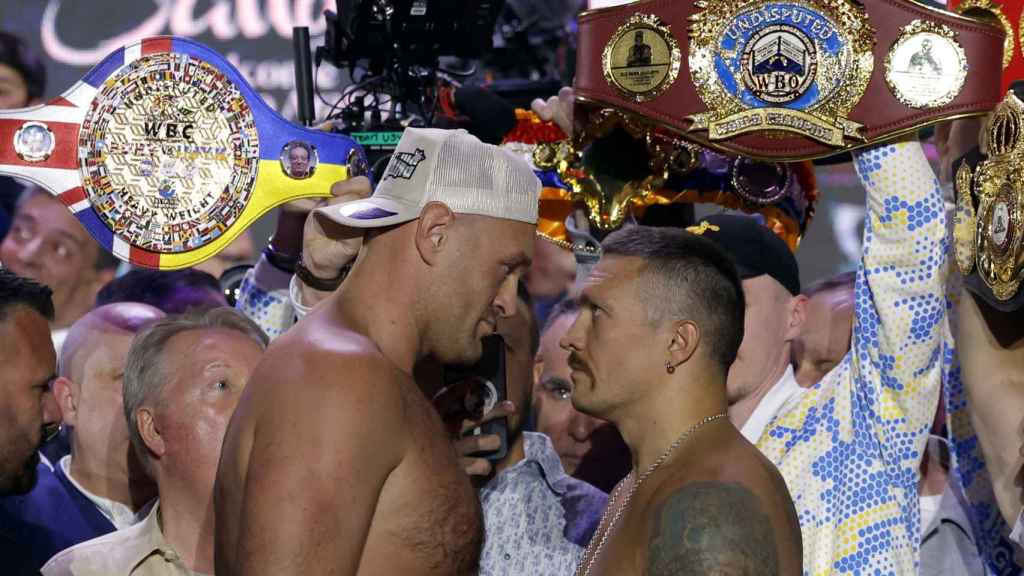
point(712, 528)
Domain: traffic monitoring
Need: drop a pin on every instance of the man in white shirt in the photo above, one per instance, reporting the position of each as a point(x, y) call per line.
point(761, 382)
point(850, 446)
point(99, 487)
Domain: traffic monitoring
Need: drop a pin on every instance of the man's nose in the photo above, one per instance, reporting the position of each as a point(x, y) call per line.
point(572, 338)
point(505, 301)
point(581, 426)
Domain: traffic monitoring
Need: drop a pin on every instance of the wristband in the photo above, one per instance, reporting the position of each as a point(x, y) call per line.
point(321, 284)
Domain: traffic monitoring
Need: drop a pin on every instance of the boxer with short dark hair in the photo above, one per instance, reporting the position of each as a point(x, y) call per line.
point(661, 321)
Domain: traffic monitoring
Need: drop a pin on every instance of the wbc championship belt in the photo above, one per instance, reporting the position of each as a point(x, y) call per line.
point(787, 79)
point(165, 154)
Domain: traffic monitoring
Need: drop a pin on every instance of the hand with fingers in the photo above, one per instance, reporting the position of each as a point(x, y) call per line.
point(470, 447)
point(327, 247)
point(557, 109)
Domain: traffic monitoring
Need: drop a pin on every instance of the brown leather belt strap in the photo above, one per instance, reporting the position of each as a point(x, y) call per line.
point(912, 66)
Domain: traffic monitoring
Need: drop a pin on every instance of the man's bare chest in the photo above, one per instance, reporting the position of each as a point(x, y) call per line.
point(428, 507)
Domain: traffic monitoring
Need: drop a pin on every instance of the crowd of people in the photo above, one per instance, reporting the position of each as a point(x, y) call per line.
point(683, 406)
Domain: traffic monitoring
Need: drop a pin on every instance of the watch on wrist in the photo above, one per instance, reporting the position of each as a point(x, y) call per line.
point(321, 284)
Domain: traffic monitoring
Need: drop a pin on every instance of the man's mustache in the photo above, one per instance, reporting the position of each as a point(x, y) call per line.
point(577, 363)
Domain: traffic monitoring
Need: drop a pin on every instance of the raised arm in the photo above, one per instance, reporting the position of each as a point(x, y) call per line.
point(266, 294)
point(991, 349)
point(319, 458)
point(900, 309)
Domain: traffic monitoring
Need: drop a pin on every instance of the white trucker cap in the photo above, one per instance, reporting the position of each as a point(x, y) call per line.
point(447, 166)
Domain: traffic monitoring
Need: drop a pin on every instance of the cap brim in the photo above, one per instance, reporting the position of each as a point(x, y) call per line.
point(373, 212)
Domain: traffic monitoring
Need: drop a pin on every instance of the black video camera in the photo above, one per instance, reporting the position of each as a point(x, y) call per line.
point(392, 50)
point(383, 34)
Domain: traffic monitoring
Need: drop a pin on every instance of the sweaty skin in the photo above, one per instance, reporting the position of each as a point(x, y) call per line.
point(366, 454)
point(335, 461)
point(719, 507)
point(715, 505)
point(991, 348)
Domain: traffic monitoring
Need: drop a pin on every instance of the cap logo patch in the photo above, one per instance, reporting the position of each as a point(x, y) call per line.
point(371, 214)
point(365, 211)
point(403, 164)
point(703, 227)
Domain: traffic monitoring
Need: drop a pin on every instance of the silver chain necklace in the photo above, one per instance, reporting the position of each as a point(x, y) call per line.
point(609, 520)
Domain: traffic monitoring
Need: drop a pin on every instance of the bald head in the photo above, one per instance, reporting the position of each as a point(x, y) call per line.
point(86, 335)
point(88, 392)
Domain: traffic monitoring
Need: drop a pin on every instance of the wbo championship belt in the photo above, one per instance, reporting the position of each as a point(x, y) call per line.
point(787, 79)
point(165, 154)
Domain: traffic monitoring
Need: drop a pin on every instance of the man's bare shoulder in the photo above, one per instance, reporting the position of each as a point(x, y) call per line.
point(322, 367)
point(724, 512)
point(711, 527)
point(323, 348)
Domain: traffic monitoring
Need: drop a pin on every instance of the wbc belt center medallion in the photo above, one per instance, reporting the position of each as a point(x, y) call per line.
point(796, 67)
point(168, 153)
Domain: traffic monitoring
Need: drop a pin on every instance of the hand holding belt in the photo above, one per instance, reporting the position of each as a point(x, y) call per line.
point(165, 154)
point(787, 79)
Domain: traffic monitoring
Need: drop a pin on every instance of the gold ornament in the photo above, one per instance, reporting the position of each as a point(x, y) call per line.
point(703, 227)
point(995, 12)
point(999, 236)
point(964, 221)
point(796, 66)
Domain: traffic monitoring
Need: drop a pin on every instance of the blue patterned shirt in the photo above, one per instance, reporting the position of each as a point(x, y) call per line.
point(850, 450)
point(263, 297)
point(537, 519)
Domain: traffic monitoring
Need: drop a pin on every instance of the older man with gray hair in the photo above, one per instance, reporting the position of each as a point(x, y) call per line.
point(183, 378)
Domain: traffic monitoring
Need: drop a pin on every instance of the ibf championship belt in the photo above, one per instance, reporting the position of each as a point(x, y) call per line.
point(988, 230)
point(787, 79)
point(165, 154)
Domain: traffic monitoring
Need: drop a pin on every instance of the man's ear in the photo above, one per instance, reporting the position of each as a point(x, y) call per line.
point(64, 394)
point(685, 339)
point(150, 431)
point(433, 231)
point(538, 369)
point(797, 317)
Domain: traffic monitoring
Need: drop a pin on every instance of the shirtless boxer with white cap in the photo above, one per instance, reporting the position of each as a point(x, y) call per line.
point(335, 462)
